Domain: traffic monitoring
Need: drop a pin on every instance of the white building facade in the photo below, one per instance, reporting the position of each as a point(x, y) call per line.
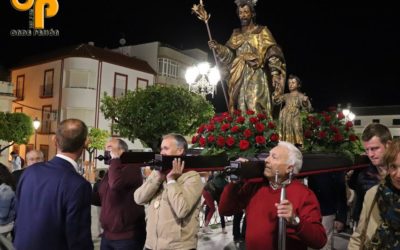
point(169, 63)
point(386, 115)
point(70, 84)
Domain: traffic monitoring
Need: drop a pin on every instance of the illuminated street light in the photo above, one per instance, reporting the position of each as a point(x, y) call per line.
point(348, 115)
point(202, 79)
point(36, 125)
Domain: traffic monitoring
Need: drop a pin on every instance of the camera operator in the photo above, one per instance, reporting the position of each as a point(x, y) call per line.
point(261, 200)
point(174, 201)
point(122, 220)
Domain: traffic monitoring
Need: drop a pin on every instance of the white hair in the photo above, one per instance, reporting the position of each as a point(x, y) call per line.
point(295, 158)
point(34, 151)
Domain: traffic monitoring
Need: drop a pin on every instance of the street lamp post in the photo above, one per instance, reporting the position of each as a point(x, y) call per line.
point(36, 125)
point(348, 115)
point(202, 79)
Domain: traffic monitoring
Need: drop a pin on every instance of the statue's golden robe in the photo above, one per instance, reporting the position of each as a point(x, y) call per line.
point(246, 54)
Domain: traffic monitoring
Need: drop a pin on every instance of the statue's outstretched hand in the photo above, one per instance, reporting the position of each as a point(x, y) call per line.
point(212, 44)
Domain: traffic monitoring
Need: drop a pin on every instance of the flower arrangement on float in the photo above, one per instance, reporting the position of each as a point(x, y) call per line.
point(328, 132)
point(241, 134)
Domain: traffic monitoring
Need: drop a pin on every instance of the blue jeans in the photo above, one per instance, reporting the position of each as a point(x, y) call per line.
point(120, 244)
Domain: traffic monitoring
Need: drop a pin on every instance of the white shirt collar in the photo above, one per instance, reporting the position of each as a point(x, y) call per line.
point(70, 160)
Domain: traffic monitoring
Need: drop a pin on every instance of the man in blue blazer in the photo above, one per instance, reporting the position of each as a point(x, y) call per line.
point(53, 200)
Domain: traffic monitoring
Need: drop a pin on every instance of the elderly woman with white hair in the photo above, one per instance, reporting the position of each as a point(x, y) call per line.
point(261, 200)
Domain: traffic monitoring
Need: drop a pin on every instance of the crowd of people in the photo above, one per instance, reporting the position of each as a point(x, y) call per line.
point(48, 205)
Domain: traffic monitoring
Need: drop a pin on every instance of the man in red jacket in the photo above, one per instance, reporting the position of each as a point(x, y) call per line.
point(263, 206)
point(122, 220)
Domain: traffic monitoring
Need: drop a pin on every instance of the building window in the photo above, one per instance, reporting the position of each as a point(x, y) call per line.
point(357, 122)
point(19, 87)
point(396, 121)
point(46, 119)
point(47, 87)
point(375, 121)
point(142, 83)
point(80, 79)
point(120, 85)
point(168, 67)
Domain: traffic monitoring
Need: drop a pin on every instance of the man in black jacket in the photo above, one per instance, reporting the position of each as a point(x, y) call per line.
point(122, 220)
point(375, 138)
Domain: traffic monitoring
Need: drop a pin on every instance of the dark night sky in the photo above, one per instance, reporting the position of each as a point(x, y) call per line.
point(342, 53)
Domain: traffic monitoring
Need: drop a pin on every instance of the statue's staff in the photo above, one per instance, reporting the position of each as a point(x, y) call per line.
point(204, 16)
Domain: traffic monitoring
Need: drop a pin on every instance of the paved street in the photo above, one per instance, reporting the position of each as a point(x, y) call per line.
point(215, 240)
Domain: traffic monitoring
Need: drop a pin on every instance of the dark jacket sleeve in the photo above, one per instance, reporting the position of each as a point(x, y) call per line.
point(119, 175)
point(96, 201)
point(78, 220)
point(341, 199)
point(352, 182)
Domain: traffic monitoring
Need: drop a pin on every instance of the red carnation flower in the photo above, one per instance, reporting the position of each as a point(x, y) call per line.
point(253, 119)
point(260, 127)
point(230, 141)
point(229, 119)
point(340, 116)
point(322, 134)
point(244, 145)
point(353, 137)
point(274, 137)
point(260, 139)
point(250, 112)
point(220, 141)
point(271, 125)
point(349, 124)
point(247, 133)
point(261, 116)
point(237, 112)
point(225, 127)
point(210, 127)
point(202, 141)
point(240, 119)
point(327, 118)
point(194, 139)
point(211, 138)
point(218, 119)
point(201, 129)
point(235, 129)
